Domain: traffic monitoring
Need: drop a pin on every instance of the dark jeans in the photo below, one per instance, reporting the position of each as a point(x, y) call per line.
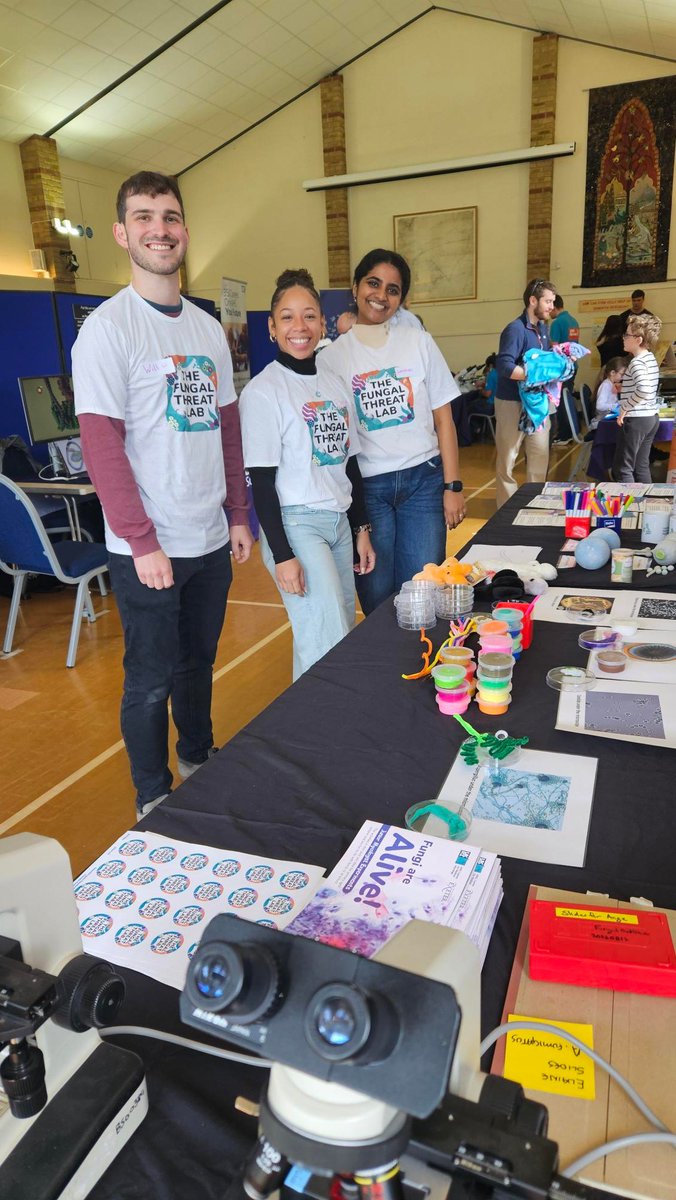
point(406, 510)
point(631, 463)
point(170, 639)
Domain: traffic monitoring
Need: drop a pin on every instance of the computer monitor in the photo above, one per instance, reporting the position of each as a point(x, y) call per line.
point(49, 407)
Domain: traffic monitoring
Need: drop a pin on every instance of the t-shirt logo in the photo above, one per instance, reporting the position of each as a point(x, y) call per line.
point(192, 389)
point(383, 398)
point(327, 426)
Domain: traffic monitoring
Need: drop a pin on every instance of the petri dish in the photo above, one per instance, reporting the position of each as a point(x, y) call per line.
point(570, 679)
point(597, 639)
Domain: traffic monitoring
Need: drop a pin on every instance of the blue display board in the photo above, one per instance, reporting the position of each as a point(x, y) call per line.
point(30, 346)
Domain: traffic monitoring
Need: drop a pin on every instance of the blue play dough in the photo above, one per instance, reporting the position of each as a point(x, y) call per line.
point(592, 553)
point(609, 535)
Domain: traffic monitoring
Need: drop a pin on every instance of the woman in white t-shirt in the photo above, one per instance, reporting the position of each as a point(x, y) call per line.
point(402, 389)
point(300, 443)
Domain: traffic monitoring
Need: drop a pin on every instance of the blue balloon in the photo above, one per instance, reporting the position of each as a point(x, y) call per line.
point(609, 535)
point(592, 553)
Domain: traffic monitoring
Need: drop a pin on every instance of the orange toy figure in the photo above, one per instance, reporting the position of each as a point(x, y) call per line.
point(449, 572)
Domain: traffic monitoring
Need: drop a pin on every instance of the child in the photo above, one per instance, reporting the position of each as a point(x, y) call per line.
point(638, 418)
point(606, 399)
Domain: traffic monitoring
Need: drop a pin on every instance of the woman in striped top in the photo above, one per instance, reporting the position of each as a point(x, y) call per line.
point(638, 417)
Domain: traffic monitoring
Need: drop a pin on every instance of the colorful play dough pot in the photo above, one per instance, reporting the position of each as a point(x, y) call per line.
point(500, 643)
point(493, 627)
point(499, 666)
point(447, 675)
point(453, 702)
point(458, 655)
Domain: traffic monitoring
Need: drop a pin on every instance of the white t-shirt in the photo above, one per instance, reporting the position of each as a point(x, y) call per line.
point(395, 389)
point(166, 378)
point(607, 399)
point(305, 431)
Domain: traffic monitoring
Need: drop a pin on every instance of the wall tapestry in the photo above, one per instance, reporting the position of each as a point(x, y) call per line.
point(630, 165)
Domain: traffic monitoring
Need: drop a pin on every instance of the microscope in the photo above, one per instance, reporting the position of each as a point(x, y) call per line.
point(376, 1091)
point(68, 1101)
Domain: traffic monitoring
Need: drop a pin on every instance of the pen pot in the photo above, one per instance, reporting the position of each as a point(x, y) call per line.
point(578, 525)
point(609, 523)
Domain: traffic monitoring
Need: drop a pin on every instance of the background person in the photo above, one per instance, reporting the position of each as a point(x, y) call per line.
point(526, 332)
point(161, 441)
point(564, 327)
point(637, 309)
point(300, 444)
point(606, 397)
point(402, 389)
point(609, 342)
point(638, 417)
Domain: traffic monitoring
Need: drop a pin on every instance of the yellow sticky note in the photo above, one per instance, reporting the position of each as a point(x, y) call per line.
point(548, 1063)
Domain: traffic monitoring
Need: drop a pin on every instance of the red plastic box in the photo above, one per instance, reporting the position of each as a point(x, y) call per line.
point(625, 949)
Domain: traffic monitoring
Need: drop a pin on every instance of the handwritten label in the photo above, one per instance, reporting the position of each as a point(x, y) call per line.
point(161, 366)
point(585, 914)
point(547, 1063)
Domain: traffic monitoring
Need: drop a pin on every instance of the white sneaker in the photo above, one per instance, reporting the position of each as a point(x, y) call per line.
point(142, 810)
point(186, 769)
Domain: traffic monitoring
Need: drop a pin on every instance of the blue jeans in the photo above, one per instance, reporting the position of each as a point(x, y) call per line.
point(322, 542)
point(170, 642)
point(406, 510)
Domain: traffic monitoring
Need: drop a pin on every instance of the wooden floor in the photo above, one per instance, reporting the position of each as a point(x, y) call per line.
point(64, 768)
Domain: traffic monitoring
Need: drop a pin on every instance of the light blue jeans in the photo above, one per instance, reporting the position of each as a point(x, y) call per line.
point(322, 542)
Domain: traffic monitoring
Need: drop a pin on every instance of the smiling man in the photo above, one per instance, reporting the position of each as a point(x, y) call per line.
point(161, 441)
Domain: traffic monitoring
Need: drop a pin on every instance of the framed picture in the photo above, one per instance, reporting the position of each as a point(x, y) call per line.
point(440, 248)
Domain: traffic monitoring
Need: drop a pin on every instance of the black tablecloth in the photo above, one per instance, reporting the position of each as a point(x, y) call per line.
point(351, 740)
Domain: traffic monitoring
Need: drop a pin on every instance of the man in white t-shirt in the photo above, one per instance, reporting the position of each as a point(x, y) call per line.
point(161, 441)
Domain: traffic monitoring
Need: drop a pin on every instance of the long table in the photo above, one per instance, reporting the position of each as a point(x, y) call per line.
point(352, 740)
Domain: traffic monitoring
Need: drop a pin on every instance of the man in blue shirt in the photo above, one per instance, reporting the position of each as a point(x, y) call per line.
point(564, 327)
point(527, 332)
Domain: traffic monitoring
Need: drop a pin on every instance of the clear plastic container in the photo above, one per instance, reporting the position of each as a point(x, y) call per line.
point(458, 655)
point(571, 679)
point(499, 666)
point(447, 820)
point(448, 675)
point(598, 639)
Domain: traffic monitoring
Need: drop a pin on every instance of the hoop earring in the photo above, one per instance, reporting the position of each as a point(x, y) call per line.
point(272, 337)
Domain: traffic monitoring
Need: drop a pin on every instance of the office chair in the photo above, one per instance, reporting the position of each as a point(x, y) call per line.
point(26, 549)
point(582, 461)
point(486, 420)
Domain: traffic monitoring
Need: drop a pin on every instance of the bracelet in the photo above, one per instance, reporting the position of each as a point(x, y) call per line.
point(362, 528)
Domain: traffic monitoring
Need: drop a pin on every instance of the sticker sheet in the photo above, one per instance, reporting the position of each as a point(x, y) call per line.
point(147, 900)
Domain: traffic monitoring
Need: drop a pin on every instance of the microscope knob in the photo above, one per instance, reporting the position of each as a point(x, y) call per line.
point(23, 1079)
point(92, 994)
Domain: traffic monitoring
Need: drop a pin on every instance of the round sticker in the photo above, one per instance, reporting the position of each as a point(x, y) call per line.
point(142, 875)
point(294, 880)
point(174, 884)
point(122, 898)
point(135, 846)
point(96, 925)
point(262, 873)
point(192, 914)
point(278, 904)
point(166, 943)
point(88, 891)
point(131, 935)
point(243, 897)
point(208, 891)
point(194, 862)
point(163, 854)
point(109, 870)
point(157, 906)
point(268, 923)
point(228, 866)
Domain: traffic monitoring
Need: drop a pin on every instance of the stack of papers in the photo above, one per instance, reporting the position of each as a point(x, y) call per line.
point(390, 876)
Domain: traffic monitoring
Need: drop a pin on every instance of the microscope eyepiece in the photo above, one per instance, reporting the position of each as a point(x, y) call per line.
point(241, 982)
point(338, 1021)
